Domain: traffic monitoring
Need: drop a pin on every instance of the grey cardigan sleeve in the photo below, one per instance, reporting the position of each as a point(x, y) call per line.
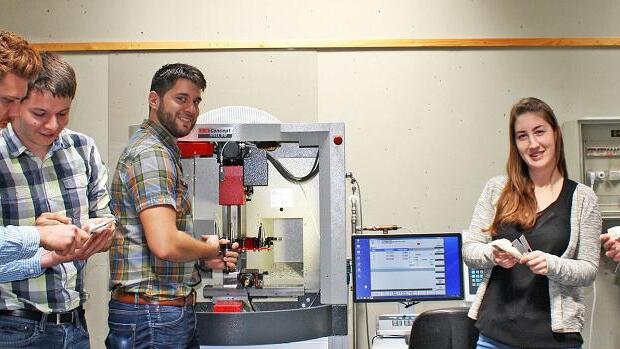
point(578, 267)
point(477, 252)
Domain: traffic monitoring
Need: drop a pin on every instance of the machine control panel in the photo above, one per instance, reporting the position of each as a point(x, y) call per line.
point(395, 324)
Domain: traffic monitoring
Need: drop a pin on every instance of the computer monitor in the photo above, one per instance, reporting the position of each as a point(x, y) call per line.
point(407, 267)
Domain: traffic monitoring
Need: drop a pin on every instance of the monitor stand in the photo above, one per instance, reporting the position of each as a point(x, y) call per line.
point(404, 308)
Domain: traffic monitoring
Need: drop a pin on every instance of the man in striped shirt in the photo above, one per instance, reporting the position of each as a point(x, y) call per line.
point(45, 168)
point(20, 257)
point(153, 258)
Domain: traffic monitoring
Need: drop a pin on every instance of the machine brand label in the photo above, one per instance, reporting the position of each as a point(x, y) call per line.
point(208, 132)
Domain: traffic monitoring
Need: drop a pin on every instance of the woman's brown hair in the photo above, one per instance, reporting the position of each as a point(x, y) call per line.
point(517, 202)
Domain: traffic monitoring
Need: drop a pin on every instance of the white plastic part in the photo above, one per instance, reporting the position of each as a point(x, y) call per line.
point(504, 245)
point(614, 232)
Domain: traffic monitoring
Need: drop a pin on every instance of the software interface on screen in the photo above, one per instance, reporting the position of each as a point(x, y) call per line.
point(392, 268)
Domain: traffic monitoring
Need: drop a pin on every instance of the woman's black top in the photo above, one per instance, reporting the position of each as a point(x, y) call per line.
point(515, 309)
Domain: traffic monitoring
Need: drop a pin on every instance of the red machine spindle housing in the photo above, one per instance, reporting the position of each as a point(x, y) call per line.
point(191, 149)
point(231, 188)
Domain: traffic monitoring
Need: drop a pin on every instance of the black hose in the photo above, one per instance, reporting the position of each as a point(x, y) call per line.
point(291, 177)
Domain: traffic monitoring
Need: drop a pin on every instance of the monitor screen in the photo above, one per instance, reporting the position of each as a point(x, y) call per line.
point(407, 267)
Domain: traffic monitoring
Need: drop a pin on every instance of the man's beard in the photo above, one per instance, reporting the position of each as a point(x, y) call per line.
point(167, 120)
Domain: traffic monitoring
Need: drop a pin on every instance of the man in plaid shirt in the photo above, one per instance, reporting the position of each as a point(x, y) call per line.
point(45, 168)
point(20, 257)
point(153, 259)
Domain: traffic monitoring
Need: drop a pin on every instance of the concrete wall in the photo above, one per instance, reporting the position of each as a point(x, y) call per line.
point(425, 127)
point(137, 20)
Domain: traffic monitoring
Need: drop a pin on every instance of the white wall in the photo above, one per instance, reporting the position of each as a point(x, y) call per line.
point(425, 127)
point(137, 20)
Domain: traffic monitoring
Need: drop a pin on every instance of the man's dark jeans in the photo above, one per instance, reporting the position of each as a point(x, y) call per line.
point(16, 332)
point(151, 326)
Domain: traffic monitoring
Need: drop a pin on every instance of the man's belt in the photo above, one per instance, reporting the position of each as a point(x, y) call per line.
point(56, 318)
point(140, 298)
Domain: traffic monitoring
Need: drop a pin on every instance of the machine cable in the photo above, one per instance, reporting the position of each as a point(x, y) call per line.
point(318, 294)
point(373, 340)
point(291, 177)
point(355, 184)
point(316, 229)
point(250, 300)
point(359, 196)
point(281, 169)
point(367, 331)
point(356, 199)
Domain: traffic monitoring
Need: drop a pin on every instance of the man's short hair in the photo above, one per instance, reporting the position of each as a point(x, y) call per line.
point(166, 76)
point(18, 57)
point(56, 77)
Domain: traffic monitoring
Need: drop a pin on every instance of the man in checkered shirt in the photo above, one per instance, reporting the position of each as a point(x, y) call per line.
point(45, 168)
point(153, 258)
point(20, 255)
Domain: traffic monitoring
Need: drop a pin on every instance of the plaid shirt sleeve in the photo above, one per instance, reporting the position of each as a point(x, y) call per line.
point(151, 178)
point(18, 243)
point(98, 197)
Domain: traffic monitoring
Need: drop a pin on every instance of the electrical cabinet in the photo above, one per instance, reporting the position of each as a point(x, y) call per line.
point(592, 149)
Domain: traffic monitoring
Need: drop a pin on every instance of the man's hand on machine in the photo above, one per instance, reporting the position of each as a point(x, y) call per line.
point(228, 259)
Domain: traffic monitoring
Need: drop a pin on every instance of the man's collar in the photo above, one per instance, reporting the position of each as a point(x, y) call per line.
point(163, 134)
point(16, 147)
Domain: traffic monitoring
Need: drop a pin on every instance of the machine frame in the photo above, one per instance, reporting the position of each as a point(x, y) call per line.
point(329, 319)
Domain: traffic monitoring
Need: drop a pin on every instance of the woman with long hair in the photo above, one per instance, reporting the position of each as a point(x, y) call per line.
point(534, 301)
